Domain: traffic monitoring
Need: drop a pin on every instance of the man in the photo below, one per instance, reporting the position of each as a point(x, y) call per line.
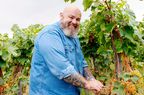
point(58, 66)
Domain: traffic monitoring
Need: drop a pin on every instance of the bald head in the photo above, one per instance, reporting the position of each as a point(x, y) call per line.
point(71, 9)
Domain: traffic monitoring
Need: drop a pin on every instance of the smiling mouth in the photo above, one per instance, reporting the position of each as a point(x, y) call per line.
point(74, 26)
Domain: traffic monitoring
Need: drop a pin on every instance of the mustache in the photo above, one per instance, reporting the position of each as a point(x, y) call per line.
point(74, 25)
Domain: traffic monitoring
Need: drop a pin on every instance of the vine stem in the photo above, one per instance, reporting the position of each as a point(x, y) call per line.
point(117, 60)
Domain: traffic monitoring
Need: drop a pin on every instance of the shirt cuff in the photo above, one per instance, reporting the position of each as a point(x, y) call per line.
point(85, 64)
point(67, 72)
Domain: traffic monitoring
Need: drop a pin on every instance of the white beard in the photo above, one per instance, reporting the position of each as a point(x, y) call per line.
point(70, 33)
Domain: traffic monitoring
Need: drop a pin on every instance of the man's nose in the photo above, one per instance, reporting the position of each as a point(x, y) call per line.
point(74, 21)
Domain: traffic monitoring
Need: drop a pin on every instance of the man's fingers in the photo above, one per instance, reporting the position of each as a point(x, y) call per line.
point(99, 83)
point(95, 85)
point(95, 92)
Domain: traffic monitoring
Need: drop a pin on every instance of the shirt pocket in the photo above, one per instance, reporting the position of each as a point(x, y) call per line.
point(69, 52)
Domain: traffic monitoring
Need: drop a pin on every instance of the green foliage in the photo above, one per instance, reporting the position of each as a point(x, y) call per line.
point(102, 23)
point(23, 39)
point(87, 4)
point(70, 1)
point(6, 49)
point(118, 88)
point(15, 56)
point(107, 20)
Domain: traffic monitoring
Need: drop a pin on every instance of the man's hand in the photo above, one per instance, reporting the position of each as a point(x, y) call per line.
point(94, 85)
point(88, 81)
point(78, 80)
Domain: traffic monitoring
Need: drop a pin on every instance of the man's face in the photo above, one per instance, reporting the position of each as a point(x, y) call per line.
point(70, 20)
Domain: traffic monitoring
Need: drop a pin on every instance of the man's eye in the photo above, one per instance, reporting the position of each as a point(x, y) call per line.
point(71, 17)
point(78, 19)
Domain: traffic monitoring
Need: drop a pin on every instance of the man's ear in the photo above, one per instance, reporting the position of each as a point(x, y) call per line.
point(61, 15)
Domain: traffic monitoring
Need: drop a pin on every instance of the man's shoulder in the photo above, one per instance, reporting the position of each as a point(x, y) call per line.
point(52, 29)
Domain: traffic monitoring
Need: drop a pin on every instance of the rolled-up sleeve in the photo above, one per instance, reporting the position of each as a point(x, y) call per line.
point(84, 63)
point(52, 50)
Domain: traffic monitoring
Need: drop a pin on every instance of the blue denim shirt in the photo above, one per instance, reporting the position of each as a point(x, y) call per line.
point(55, 57)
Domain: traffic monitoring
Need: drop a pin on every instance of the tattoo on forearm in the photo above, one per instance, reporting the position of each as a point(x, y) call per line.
point(87, 74)
point(76, 79)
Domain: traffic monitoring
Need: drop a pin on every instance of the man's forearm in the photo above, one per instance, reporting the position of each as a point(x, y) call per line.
point(76, 79)
point(87, 74)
